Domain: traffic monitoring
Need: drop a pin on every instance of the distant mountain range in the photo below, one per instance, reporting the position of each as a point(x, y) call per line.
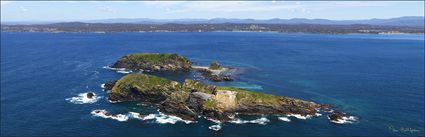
point(415, 21)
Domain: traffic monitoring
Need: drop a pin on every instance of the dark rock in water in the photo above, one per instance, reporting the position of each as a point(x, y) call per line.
point(208, 74)
point(336, 116)
point(192, 99)
point(108, 114)
point(90, 95)
point(227, 78)
point(108, 85)
point(154, 62)
point(326, 107)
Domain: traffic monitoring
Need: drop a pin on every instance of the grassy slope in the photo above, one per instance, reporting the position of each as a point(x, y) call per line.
point(142, 82)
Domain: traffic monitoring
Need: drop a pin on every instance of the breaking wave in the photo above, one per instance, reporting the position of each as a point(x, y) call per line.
point(168, 119)
point(106, 114)
point(298, 116)
point(124, 71)
point(119, 70)
point(262, 121)
point(83, 99)
point(215, 127)
point(286, 119)
point(159, 118)
point(345, 120)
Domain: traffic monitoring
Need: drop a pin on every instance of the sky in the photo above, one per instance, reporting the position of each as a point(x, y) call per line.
point(92, 10)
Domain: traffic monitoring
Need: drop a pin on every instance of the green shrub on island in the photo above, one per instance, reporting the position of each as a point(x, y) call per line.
point(153, 62)
point(215, 66)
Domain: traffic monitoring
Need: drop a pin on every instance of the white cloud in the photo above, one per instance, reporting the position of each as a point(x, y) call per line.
point(23, 9)
point(107, 9)
point(222, 6)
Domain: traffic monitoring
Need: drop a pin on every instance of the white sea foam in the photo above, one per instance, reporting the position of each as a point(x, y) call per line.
point(164, 119)
point(83, 99)
point(135, 115)
point(298, 116)
point(124, 71)
point(102, 85)
point(119, 70)
point(286, 119)
point(213, 120)
point(345, 120)
point(215, 127)
point(110, 101)
point(106, 114)
point(159, 118)
point(149, 117)
point(108, 67)
point(261, 121)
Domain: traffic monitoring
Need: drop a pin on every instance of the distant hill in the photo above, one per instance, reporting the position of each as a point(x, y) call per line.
point(414, 21)
point(401, 21)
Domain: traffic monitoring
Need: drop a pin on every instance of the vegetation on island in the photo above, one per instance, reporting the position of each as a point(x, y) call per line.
point(153, 61)
point(215, 66)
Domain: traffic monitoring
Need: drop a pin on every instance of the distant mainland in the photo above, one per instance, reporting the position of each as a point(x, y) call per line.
point(408, 24)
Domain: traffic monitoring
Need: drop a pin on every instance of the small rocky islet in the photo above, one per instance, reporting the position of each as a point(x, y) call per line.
point(192, 99)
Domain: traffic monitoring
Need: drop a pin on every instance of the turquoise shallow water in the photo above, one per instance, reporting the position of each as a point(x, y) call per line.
point(378, 78)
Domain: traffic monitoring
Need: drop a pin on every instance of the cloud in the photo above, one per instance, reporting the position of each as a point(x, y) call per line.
point(23, 9)
point(259, 6)
point(223, 6)
point(107, 9)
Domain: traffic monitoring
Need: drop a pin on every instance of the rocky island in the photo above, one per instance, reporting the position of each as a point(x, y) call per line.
point(193, 99)
point(215, 72)
point(151, 62)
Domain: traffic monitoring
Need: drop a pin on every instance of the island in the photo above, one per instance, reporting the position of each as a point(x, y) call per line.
point(151, 62)
point(215, 72)
point(154, 62)
point(192, 99)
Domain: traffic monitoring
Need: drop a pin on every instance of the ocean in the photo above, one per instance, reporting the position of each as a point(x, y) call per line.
point(379, 79)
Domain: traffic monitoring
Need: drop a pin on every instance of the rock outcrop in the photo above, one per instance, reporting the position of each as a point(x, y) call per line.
point(215, 72)
point(192, 99)
point(109, 85)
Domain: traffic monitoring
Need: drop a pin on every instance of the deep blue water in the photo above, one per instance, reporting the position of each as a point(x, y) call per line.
point(378, 78)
